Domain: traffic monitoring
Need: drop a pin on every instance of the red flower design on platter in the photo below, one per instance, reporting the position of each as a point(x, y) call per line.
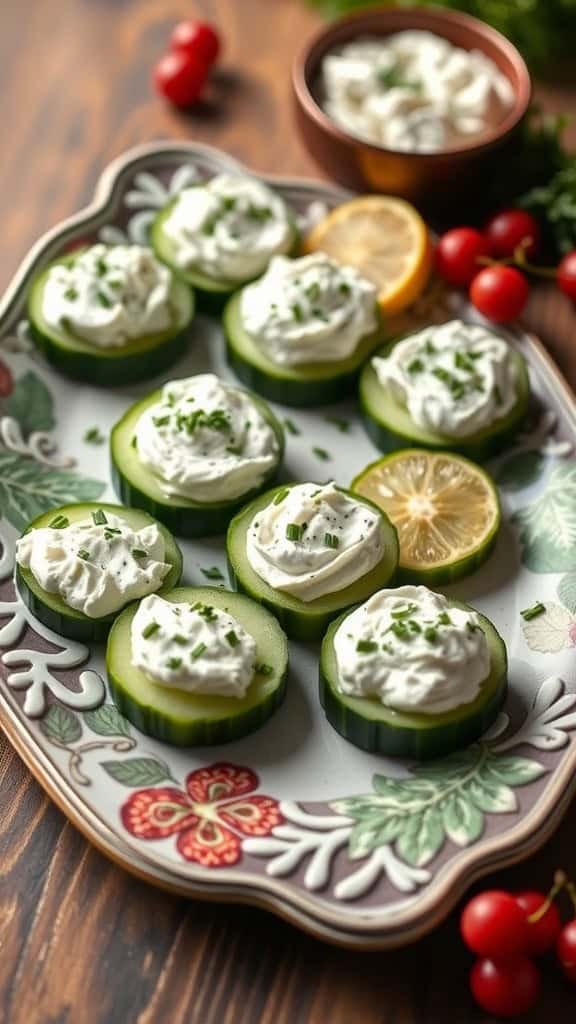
point(209, 817)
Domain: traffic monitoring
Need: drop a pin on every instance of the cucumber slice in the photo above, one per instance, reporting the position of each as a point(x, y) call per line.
point(185, 719)
point(306, 620)
point(52, 610)
point(390, 425)
point(213, 288)
point(112, 367)
point(136, 486)
point(370, 725)
point(307, 385)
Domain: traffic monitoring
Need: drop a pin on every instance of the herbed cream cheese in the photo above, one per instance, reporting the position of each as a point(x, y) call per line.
point(109, 295)
point(413, 91)
point(309, 310)
point(96, 565)
point(313, 540)
point(205, 440)
point(193, 647)
point(228, 228)
point(412, 651)
point(455, 378)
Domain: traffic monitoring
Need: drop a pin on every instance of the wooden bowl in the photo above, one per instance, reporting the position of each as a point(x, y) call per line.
point(430, 179)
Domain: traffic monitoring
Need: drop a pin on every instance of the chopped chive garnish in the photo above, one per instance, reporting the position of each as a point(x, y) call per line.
point(429, 348)
point(113, 283)
point(297, 312)
point(232, 638)
point(178, 638)
point(331, 540)
point(160, 421)
point(415, 366)
point(388, 648)
point(344, 288)
point(235, 449)
point(213, 573)
point(414, 626)
point(444, 619)
point(103, 299)
point(150, 629)
point(403, 613)
point(342, 425)
point(322, 454)
point(139, 553)
point(400, 630)
point(93, 436)
point(366, 646)
point(291, 428)
point(279, 498)
point(174, 663)
point(110, 532)
point(294, 531)
point(205, 611)
point(463, 362)
point(473, 627)
point(313, 291)
point(59, 523)
point(83, 554)
point(99, 518)
point(198, 650)
point(71, 294)
point(134, 441)
point(431, 634)
point(533, 612)
point(263, 669)
point(101, 266)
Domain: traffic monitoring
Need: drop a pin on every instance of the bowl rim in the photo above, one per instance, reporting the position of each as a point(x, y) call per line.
point(397, 19)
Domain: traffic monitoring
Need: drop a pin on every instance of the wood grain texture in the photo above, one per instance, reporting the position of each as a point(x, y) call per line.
point(81, 941)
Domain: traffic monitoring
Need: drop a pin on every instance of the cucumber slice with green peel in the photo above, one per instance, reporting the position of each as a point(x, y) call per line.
point(370, 725)
point(52, 610)
point(390, 425)
point(137, 486)
point(303, 385)
point(304, 620)
point(206, 286)
point(186, 719)
point(137, 360)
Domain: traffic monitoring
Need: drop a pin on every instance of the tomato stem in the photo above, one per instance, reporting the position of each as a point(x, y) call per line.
point(519, 260)
point(560, 882)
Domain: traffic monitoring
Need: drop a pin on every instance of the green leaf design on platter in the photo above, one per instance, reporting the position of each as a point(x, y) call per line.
point(520, 470)
point(107, 721)
point(28, 488)
point(138, 771)
point(31, 404)
point(567, 591)
point(446, 799)
point(548, 524)
point(61, 725)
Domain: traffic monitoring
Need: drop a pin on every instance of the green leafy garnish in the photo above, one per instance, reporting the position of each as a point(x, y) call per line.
point(205, 611)
point(161, 421)
point(280, 496)
point(174, 663)
point(213, 573)
point(83, 554)
point(99, 517)
point(331, 540)
point(297, 312)
point(232, 638)
point(139, 553)
point(431, 634)
point(415, 366)
point(101, 266)
point(59, 523)
point(150, 630)
point(71, 294)
point(93, 436)
point(291, 427)
point(179, 639)
point(322, 454)
point(533, 612)
point(198, 650)
point(366, 646)
point(444, 619)
point(341, 424)
point(103, 299)
point(294, 531)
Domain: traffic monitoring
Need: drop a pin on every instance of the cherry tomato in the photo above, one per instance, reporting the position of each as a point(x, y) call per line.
point(494, 924)
point(542, 934)
point(6, 381)
point(196, 38)
point(566, 275)
point(180, 78)
point(511, 228)
point(506, 988)
point(457, 255)
point(566, 949)
point(499, 293)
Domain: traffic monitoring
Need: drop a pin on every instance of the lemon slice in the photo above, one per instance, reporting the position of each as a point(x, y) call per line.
point(444, 507)
point(385, 239)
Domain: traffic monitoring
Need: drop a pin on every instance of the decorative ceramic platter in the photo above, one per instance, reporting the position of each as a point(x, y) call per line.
point(353, 847)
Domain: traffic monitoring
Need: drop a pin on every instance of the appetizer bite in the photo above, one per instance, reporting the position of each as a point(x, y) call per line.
point(300, 334)
point(77, 566)
point(445, 508)
point(307, 551)
point(193, 452)
point(110, 315)
point(223, 233)
point(412, 674)
point(197, 666)
point(451, 386)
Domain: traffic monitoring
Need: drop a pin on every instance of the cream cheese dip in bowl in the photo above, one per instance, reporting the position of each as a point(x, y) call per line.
point(417, 102)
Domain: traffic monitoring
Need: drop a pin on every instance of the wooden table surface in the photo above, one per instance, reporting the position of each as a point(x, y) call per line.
point(80, 940)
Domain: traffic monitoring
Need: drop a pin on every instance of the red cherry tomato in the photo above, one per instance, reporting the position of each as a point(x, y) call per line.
point(506, 988)
point(566, 949)
point(499, 293)
point(180, 77)
point(6, 381)
point(196, 38)
point(542, 934)
point(509, 229)
point(493, 924)
point(566, 275)
point(457, 255)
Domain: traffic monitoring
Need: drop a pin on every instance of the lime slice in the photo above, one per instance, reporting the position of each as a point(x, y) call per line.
point(444, 507)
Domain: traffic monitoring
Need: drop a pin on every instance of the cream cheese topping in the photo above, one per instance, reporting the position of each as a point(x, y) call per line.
point(96, 565)
point(309, 310)
point(205, 440)
point(455, 378)
point(228, 228)
point(313, 540)
point(412, 91)
point(412, 651)
point(109, 295)
point(197, 648)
